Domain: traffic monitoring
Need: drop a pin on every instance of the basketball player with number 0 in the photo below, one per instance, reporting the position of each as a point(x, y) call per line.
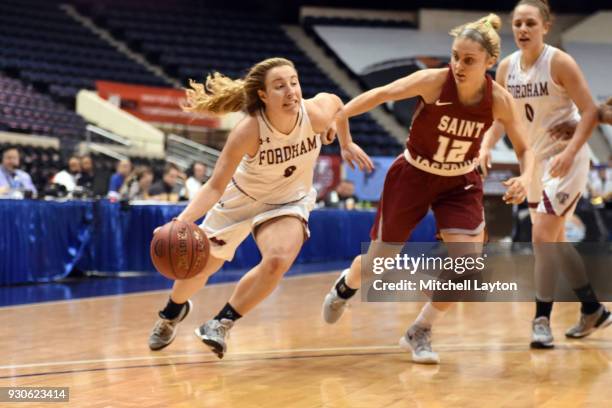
point(549, 89)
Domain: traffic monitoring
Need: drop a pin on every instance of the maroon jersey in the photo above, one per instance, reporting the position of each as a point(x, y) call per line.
point(445, 136)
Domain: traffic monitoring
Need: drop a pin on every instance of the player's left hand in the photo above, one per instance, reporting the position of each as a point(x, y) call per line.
point(329, 135)
point(561, 164)
point(517, 190)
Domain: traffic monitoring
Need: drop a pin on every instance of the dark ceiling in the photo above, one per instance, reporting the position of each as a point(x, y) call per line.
point(289, 10)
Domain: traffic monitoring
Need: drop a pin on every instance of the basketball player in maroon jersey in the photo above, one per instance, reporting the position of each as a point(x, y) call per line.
point(457, 105)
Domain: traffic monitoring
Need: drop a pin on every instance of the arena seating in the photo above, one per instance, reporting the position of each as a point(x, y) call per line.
point(42, 45)
point(192, 42)
point(52, 54)
point(25, 110)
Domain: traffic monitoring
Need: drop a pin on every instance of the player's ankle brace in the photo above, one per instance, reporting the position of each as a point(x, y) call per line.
point(343, 290)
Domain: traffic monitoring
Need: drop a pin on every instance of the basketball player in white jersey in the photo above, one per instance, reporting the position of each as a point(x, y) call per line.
point(261, 184)
point(549, 88)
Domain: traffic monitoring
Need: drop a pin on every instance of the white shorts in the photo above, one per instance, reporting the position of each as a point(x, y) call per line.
point(236, 215)
point(558, 196)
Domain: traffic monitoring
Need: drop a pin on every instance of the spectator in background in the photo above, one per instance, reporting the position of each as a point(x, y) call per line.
point(342, 197)
point(92, 183)
point(168, 188)
point(137, 185)
point(86, 175)
point(198, 174)
point(600, 183)
point(14, 183)
point(68, 177)
point(124, 168)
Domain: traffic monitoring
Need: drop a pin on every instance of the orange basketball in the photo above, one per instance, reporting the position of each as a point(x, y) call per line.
point(179, 250)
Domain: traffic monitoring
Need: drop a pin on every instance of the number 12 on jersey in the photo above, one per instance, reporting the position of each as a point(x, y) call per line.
point(455, 154)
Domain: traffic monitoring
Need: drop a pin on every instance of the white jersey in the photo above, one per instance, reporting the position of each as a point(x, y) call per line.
point(541, 102)
point(282, 169)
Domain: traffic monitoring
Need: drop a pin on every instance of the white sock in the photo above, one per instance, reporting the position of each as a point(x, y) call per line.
point(429, 314)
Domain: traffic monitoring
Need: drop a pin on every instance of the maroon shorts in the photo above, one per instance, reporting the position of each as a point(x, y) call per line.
point(456, 201)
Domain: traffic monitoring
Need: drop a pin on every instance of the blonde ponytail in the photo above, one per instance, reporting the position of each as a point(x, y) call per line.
point(484, 31)
point(221, 94)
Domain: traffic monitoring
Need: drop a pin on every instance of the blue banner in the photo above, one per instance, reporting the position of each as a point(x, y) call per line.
point(369, 186)
point(41, 241)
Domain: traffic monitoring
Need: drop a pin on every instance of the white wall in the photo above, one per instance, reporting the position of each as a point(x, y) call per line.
point(360, 47)
point(377, 45)
point(31, 140)
point(594, 29)
point(144, 136)
point(444, 20)
point(590, 43)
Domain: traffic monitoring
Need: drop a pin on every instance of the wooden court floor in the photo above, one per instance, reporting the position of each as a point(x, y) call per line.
point(284, 355)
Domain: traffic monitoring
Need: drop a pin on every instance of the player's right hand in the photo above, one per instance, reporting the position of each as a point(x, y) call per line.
point(484, 161)
point(353, 155)
point(517, 190)
point(156, 230)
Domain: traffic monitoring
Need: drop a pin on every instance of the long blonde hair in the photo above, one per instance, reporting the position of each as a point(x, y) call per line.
point(221, 94)
point(484, 32)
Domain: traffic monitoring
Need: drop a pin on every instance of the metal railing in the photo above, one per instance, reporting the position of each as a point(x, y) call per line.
point(106, 151)
point(183, 152)
point(105, 134)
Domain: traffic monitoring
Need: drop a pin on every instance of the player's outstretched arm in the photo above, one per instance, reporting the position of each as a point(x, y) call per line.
point(326, 110)
point(415, 84)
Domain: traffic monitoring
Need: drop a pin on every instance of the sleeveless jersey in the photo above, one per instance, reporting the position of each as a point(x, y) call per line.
point(541, 102)
point(445, 136)
point(282, 170)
